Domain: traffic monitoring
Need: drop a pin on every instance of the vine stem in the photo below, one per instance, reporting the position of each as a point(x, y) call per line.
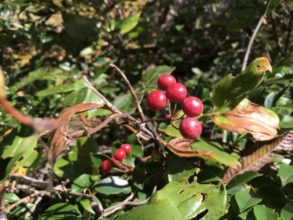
point(248, 49)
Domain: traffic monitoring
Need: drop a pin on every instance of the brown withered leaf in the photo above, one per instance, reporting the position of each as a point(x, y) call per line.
point(182, 147)
point(58, 142)
point(261, 156)
point(248, 117)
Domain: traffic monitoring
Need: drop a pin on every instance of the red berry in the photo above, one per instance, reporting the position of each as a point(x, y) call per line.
point(176, 92)
point(192, 106)
point(106, 166)
point(126, 147)
point(120, 154)
point(166, 80)
point(157, 100)
point(190, 128)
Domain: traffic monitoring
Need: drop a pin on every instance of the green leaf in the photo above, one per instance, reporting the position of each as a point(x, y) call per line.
point(179, 169)
point(151, 75)
point(182, 201)
point(61, 211)
point(129, 23)
point(113, 185)
point(171, 131)
point(285, 173)
point(241, 179)
point(287, 211)
point(245, 200)
point(11, 198)
point(22, 150)
point(83, 95)
point(217, 154)
point(264, 213)
point(61, 88)
point(39, 74)
point(124, 102)
point(81, 182)
point(220, 90)
point(86, 204)
point(19, 146)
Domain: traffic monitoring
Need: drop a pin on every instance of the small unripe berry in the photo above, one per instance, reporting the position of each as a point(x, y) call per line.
point(157, 100)
point(190, 128)
point(192, 106)
point(120, 154)
point(176, 92)
point(106, 166)
point(126, 147)
point(166, 80)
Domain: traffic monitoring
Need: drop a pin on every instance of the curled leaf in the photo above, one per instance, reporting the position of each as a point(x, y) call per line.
point(183, 148)
point(58, 142)
point(248, 117)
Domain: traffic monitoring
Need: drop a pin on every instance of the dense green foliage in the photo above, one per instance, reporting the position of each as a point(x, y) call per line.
point(48, 46)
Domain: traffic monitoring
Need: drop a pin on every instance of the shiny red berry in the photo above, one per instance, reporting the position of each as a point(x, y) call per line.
point(157, 100)
point(120, 154)
point(166, 80)
point(106, 166)
point(192, 106)
point(176, 92)
point(190, 128)
point(126, 147)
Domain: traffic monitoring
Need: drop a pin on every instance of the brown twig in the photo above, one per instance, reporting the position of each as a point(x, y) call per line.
point(29, 180)
point(90, 86)
point(24, 200)
point(126, 202)
point(248, 49)
point(132, 91)
point(104, 123)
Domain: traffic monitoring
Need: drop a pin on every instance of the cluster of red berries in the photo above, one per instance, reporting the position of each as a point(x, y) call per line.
point(119, 155)
point(176, 92)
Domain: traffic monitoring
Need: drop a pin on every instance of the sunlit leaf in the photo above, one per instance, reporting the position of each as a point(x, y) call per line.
point(129, 23)
point(247, 117)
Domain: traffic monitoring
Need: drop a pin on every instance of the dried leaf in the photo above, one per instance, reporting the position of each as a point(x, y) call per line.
point(183, 148)
point(261, 156)
point(58, 142)
point(248, 117)
point(2, 85)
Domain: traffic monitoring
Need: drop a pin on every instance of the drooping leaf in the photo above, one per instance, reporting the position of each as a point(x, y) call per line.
point(199, 148)
point(248, 117)
point(261, 156)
